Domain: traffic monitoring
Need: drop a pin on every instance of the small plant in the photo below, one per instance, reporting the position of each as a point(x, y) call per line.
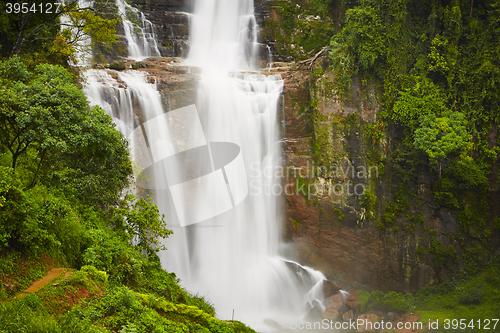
point(116, 65)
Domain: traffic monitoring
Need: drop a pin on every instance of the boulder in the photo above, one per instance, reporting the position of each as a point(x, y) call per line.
point(352, 301)
point(334, 302)
point(330, 288)
point(369, 319)
point(349, 315)
point(331, 314)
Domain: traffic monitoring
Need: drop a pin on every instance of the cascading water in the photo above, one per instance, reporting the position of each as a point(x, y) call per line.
point(141, 39)
point(233, 258)
point(82, 42)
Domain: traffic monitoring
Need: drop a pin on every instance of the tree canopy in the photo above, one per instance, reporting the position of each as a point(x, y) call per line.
point(46, 31)
point(45, 116)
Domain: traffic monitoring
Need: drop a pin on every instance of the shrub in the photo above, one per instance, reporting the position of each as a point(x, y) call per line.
point(119, 66)
point(391, 302)
point(472, 297)
point(440, 289)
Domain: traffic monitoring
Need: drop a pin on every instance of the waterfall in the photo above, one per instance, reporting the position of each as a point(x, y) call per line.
point(269, 58)
point(141, 38)
point(83, 42)
point(233, 257)
point(223, 34)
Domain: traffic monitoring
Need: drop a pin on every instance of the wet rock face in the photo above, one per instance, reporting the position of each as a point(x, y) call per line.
point(330, 223)
point(170, 18)
point(171, 23)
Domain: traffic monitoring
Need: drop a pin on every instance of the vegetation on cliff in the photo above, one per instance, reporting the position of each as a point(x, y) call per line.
point(435, 66)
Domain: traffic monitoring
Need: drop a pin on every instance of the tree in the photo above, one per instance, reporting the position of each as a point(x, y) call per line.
point(139, 220)
point(53, 29)
point(423, 98)
point(364, 33)
point(75, 146)
point(440, 136)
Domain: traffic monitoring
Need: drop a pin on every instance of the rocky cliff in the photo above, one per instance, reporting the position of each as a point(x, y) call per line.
point(171, 21)
point(358, 205)
point(364, 208)
point(341, 186)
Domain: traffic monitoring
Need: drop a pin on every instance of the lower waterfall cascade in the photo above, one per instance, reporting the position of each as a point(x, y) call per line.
point(233, 258)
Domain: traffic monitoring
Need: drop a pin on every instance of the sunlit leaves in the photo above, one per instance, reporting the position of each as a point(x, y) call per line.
point(423, 98)
point(440, 136)
point(140, 219)
point(74, 146)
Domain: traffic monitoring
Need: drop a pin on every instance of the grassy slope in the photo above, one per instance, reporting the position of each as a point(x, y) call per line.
point(476, 298)
point(87, 302)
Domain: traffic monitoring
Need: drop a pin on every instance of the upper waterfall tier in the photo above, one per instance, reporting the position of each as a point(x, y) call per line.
point(223, 35)
point(141, 38)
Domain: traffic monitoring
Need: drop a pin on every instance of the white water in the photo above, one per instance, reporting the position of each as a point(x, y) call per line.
point(269, 58)
point(223, 34)
point(141, 38)
point(232, 259)
point(82, 42)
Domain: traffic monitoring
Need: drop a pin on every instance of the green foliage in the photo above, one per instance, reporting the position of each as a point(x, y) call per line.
point(39, 220)
point(369, 203)
point(440, 289)
point(391, 302)
point(302, 31)
point(441, 136)
point(47, 119)
point(122, 309)
point(38, 37)
point(443, 256)
point(399, 204)
point(472, 297)
point(364, 32)
point(360, 45)
point(339, 212)
point(437, 64)
point(422, 99)
point(469, 174)
point(139, 219)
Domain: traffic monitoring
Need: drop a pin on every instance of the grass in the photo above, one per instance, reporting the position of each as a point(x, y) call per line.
point(473, 299)
point(87, 302)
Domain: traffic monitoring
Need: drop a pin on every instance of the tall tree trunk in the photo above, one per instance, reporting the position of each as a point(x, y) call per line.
point(22, 22)
point(33, 182)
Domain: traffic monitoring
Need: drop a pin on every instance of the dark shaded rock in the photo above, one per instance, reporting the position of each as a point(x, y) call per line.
point(334, 302)
point(331, 314)
point(348, 315)
point(330, 289)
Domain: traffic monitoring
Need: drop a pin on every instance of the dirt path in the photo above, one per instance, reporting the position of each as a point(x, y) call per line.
point(40, 283)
